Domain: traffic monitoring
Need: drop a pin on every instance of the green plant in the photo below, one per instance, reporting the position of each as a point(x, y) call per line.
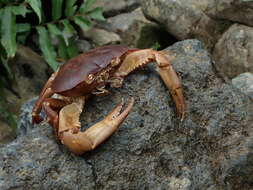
point(156, 46)
point(58, 20)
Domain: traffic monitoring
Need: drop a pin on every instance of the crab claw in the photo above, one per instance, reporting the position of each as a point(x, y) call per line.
point(79, 142)
point(139, 58)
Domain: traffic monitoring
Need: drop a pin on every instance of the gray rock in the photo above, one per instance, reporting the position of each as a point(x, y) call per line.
point(36, 161)
point(233, 53)
point(121, 23)
point(244, 82)
point(152, 149)
point(135, 30)
point(185, 20)
point(101, 37)
point(233, 10)
point(83, 45)
point(112, 7)
point(25, 118)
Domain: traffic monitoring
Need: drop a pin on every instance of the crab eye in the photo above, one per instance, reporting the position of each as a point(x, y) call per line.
point(90, 76)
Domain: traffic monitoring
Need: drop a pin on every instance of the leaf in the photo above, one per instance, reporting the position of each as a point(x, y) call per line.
point(72, 49)
point(23, 30)
point(36, 6)
point(7, 1)
point(8, 32)
point(56, 9)
point(68, 31)
point(82, 22)
point(21, 38)
point(85, 7)
point(53, 29)
point(70, 7)
point(62, 49)
point(23, 27)
point(1, 14)
point(97, 14)
point(156, 46)
point(7, 68)
point(20, 10)
point(47, 47)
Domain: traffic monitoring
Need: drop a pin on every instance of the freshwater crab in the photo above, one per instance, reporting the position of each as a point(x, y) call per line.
point(88, 74)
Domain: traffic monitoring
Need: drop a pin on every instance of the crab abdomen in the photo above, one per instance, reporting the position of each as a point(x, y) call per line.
point(77, 69)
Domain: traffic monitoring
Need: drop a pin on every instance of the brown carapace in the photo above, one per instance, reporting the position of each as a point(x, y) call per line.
point(88, 74)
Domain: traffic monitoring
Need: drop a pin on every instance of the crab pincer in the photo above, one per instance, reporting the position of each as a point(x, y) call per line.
point(79, 142)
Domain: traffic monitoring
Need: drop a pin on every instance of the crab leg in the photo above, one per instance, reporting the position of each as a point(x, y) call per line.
point(45, 93)
point(140, 58)
point(79, 142)
point(52, 106)
point(36, 118)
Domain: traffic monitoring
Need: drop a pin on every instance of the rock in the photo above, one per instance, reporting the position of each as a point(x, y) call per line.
point(30, 72)
point(7, 134)
point(83, 46)
point(121, 23)
point(113, 7)
point(25, 118)
point(233, 53)
point(233, 10)
point(147, 35)
point(136, 31)
point(185, 20)
point(101, 37)
point(152, 149)
point(36, 161)
point(244, 82)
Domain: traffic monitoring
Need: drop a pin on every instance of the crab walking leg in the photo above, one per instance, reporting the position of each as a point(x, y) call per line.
point(140, 58)
point(79, 142)
point(36, 118)
point(45, 93)
point(52, 106)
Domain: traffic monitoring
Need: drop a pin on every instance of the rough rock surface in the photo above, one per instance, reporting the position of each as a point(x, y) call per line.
point(112, 7)
point(136, 31)
point(101, 37)
point(35, 161)
point(122, 22)
point(233, 10)
point(185, 19)
point(233, 53)
point(244, 82)
point(210, 149)
point(83, 46)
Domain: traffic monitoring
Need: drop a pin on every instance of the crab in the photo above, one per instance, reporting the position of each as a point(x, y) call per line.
point(89, 74)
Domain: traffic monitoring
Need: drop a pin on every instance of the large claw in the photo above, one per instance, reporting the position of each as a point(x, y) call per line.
point(171, 80)
point(79, 142)
point(140, 58)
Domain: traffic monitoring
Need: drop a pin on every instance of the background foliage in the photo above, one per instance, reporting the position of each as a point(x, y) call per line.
point(55, 21)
